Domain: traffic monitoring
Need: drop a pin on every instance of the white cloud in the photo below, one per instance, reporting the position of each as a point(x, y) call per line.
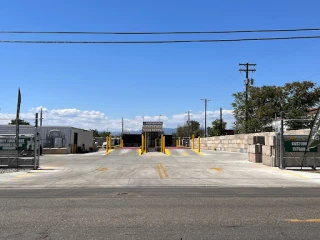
point(98, 120)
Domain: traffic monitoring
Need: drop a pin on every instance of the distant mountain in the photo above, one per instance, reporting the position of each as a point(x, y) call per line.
point(169, 130)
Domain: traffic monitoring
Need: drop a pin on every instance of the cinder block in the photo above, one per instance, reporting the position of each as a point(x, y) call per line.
point(256, 158)
point(250, 140)
point(267, 150)
point(255, 148)
point(268, 161)
point(259, 140)
point(270, 140)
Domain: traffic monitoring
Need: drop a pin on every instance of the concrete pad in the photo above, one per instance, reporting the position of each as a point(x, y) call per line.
point(124, 168)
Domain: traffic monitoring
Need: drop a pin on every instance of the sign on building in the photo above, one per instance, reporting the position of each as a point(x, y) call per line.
point(152, 127)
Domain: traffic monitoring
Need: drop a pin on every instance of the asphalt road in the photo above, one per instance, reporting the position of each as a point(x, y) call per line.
point(160, 213)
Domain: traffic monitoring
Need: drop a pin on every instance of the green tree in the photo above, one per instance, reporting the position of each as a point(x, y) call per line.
point(104, 134)
point(300, 96)
point(215, 129)
point(20, 121)
point(188, 129)
point(266, 102)
point(95, 133)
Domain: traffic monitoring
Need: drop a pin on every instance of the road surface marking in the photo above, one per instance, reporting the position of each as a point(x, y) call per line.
point(317, 220)
point(102, 169)
point(293, 174)
point(168, 152)
point(159, 171)
point(22, 176)
point(217, 169)
point(196, 151)
point(264, 166)
point(123, 154)
point(184, 154)
point(164, 171)
point(110, 151)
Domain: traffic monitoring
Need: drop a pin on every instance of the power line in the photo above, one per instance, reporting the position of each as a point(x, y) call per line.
point(158, 41)
point(161, 33)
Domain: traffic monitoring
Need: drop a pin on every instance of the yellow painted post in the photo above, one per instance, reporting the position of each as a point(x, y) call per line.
point(179, 141)
point(121, 143)
point(145, 142)
point(192, 141)
point(107, 144)
point(164, 144)
point(199, 144)
point(142, 143)
point(110, 141)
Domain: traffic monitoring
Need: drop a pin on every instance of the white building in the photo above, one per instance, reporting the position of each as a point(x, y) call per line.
point(70, 138)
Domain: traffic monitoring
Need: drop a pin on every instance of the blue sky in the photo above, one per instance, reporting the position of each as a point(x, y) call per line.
point(99, 84)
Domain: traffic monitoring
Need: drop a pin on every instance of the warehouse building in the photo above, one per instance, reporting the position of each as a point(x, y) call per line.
point(57, 139)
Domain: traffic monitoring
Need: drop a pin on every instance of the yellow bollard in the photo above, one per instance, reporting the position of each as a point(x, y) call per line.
point(192, 141)
point(179, 142)
point(145, 142)
point(198, 144)
point(107, 143)
point(110, 141)
point(142, 143)
point(164, 144)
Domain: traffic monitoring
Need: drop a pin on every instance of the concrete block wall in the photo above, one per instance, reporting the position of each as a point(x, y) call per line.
point(259, 146)
point(230, 143)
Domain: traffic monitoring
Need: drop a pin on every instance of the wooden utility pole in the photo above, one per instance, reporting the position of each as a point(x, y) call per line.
point(247, 83)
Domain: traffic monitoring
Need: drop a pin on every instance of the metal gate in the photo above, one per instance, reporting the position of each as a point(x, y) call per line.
point(291, 148)
point(26, 155)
